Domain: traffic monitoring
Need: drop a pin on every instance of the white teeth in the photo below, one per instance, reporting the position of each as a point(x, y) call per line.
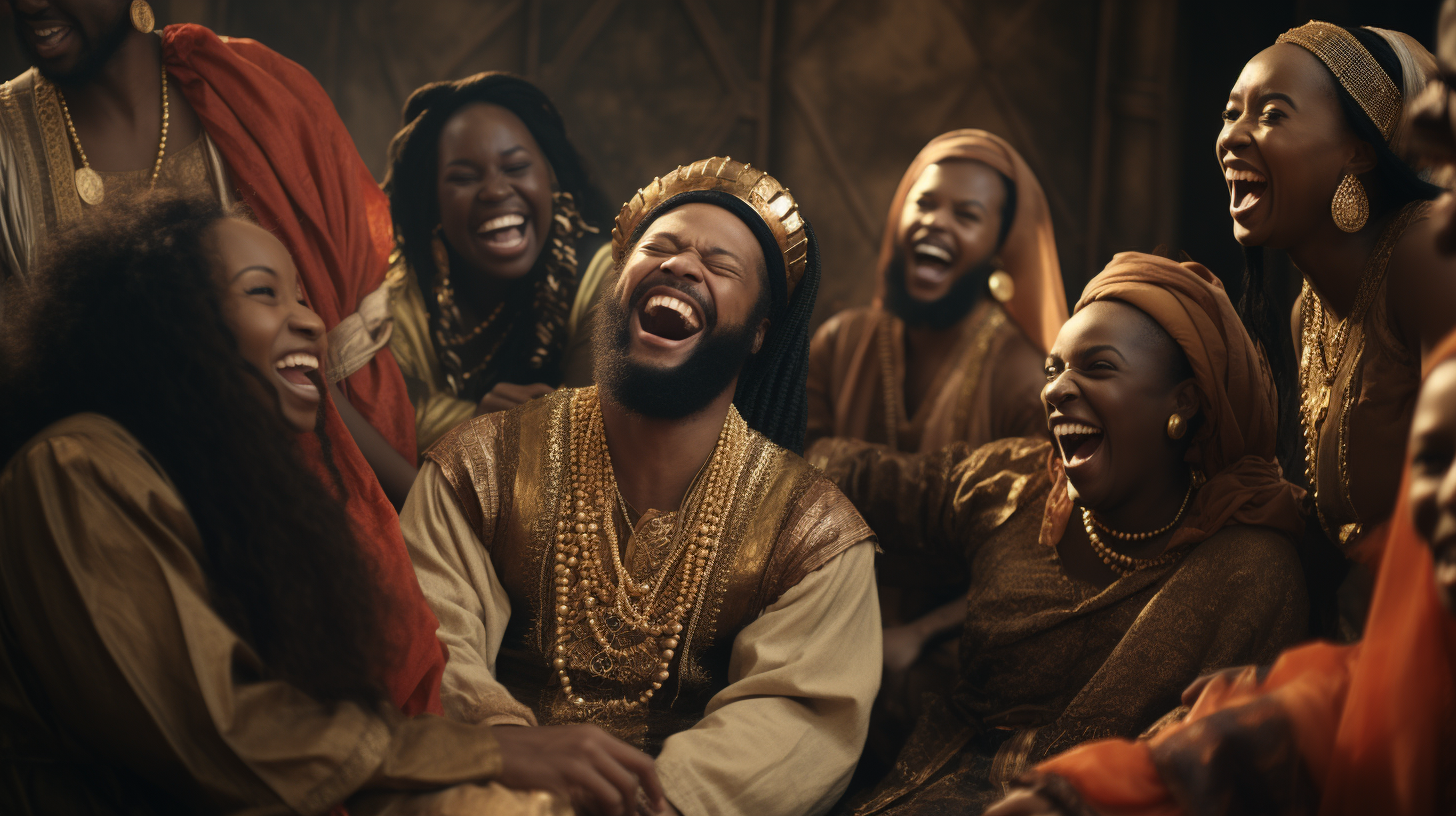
point(1230, 174)
point(298, 360)
point(46, 32)
point(1075, 428)
point(676, 305)
point(512, 220)
point(934, 251)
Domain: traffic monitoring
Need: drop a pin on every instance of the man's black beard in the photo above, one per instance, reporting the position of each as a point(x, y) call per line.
point(92, 60)
point(943, 313)
point(680, 391)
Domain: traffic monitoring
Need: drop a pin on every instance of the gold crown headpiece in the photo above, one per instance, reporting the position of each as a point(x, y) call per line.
point(770, 199)
point(1355, 68)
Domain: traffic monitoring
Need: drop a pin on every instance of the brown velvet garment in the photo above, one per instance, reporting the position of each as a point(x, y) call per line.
point(785, 521)
point(1048, 662)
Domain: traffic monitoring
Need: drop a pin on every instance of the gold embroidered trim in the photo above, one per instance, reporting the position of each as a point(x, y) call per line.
point(59, 163)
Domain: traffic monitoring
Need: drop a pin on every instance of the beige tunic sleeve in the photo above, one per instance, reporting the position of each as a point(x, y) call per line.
point(784, 736)
point(106, 608)
point(459, 581)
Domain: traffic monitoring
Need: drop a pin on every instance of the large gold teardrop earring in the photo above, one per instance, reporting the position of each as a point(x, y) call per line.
point(1350, 207)
point(142, 18)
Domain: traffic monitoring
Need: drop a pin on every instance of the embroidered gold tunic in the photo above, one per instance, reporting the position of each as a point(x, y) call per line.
point(1046, 661)
point(768, 696)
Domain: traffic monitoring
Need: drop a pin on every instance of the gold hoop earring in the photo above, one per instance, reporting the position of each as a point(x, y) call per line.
point(1350, 207)
point(1176, 426)
point(142, 18)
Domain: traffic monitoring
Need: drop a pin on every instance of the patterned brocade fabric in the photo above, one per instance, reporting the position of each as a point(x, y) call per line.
point(1048, 662)
point(784, 522)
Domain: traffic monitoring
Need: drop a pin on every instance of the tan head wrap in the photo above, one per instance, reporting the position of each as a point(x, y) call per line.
point(1234, 446)
point(1029, 255)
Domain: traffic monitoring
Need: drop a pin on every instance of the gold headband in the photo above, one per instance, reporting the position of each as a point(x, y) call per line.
point(1355, 68)
point(768, 198)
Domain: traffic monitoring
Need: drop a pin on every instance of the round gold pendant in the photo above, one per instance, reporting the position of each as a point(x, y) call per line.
point(89, 186)
point(1002, 287)
point(141, 16)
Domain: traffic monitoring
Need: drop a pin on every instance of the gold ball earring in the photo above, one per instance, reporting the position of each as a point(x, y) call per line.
point(1002, 286)
point(1351, 206)
point(1176, 426)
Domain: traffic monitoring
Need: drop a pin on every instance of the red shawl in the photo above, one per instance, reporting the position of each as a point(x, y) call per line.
point(295, 166)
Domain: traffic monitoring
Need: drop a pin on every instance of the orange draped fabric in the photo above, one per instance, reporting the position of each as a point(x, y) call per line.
point(1374, 723)
point(1234, 445)
point(295, 166)
point(1029, 254)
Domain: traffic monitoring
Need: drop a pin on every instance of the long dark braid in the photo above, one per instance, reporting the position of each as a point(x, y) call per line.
point(772, 392)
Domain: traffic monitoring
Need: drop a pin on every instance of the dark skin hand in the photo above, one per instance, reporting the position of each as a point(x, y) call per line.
point(709, 249)
point(1284, 147)
point(117, 110)
point(598, 773)
point(949, 225)
point(1108, 396)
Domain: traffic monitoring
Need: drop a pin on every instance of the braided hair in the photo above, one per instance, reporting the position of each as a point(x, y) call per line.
point(411, 183)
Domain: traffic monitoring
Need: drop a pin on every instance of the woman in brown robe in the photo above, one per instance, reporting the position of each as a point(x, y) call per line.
point(1074, 630)
point(1314, 150)
point(970, 298)
point(189, 623)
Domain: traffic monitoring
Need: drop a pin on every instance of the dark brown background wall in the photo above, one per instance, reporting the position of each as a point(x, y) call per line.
point(1114, 103)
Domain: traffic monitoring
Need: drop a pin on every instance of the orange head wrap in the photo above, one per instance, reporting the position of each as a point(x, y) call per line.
point(1234, 446)
point(1029, 254)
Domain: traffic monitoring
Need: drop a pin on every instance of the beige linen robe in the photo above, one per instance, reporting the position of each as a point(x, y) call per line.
point(773, 711)
point(123, 691)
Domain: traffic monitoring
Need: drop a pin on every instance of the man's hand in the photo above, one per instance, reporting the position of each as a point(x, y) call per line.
point(598, 773)
point(508, 395)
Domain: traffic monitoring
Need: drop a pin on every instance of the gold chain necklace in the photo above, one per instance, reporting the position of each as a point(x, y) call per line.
point(88, 182)
point(1321, 359)
point(587, 591)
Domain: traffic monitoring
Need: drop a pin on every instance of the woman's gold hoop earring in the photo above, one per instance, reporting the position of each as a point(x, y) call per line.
point(1350, 207)
point(142, 18)
point(1176, 426)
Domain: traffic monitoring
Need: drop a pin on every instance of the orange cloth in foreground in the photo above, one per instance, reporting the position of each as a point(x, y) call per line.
point(1374, 723)
point(1238, 419)
point(1029, 254)
point(295, 166)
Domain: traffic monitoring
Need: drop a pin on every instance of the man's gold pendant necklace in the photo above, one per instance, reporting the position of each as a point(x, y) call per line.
point(88, 182)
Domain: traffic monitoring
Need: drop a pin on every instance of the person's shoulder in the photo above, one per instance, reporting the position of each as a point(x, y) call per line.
point(93, 449)
point(497, 430)
point(1261, 553)
point(188, 38)
point(817, 521)
point(851, 322)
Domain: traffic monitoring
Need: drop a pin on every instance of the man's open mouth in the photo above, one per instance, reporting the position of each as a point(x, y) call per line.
point(669, 316)
point(1246, 188)
point(1078, 442)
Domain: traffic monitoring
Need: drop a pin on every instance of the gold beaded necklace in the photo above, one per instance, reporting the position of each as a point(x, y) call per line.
point(1126, 565)
point(616, 615)
point(88, 182)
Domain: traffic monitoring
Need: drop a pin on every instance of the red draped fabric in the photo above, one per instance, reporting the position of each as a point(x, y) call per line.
point(294, 164)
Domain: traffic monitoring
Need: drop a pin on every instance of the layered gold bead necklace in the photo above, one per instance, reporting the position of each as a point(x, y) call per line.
point(1126, 565)
point(599, 603)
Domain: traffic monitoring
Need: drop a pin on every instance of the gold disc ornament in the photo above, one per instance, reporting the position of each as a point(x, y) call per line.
point(1002, 287)
point(142, 18)
point(89, 186)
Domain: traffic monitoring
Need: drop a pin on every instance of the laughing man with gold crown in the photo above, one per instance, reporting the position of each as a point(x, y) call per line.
point(650, 555)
